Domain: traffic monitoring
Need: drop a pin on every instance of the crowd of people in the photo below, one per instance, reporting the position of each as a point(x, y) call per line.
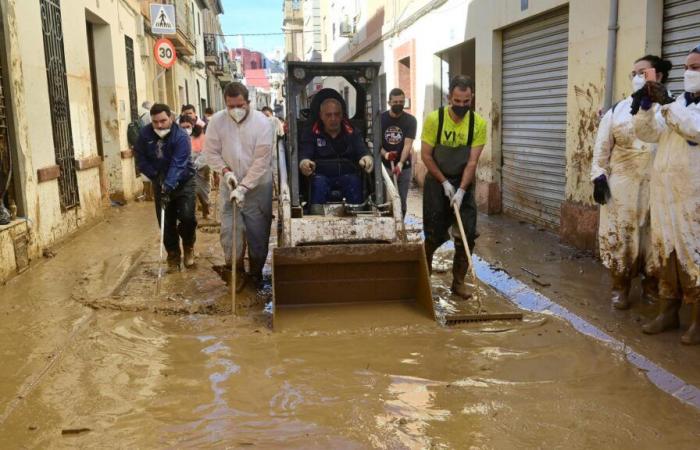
point(645, 172)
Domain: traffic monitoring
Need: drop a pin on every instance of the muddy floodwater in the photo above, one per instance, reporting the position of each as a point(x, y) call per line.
point(92, 360)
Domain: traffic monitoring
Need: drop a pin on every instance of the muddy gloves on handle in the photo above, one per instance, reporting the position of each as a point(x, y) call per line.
point(230, 179)
point(238, 195)
point(457, 198)
point(449, 190)
point(651, 93)
point(601, 190)
point(366, 162)
point(307, 167)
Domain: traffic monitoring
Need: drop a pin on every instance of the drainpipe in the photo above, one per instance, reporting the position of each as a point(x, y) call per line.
point(612, 49)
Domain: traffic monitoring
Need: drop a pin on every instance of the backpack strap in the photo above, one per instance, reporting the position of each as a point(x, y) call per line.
point(441, 120)
point(470, 136)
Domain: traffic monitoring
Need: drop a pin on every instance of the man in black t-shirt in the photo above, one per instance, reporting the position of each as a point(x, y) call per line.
point(398, 133)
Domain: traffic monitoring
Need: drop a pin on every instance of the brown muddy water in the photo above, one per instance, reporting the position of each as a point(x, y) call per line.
point(91, 360)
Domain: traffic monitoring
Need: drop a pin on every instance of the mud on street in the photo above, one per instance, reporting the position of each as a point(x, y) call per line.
point(91, 359)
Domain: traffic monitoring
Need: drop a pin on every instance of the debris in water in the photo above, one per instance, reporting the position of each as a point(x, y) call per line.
point(541, 283)
point(47, 253)
point(68, 431)
point(530, 272)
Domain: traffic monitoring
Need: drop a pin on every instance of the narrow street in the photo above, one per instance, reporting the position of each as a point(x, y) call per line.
point(128, 371)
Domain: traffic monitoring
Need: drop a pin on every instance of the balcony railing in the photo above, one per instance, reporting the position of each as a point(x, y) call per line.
point(211, 49)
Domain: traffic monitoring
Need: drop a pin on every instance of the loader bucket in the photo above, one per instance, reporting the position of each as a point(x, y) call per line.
point(312, 282)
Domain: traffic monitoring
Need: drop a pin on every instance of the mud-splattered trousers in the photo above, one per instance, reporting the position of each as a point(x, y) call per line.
point(180, 219)
point(252, 223)
point(675, 196)
point(624, 231)
point(202, 181)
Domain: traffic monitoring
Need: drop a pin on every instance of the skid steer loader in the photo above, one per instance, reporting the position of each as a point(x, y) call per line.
point(342, 257)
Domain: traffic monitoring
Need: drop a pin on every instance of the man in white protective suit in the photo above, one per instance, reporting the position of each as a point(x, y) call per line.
point(675, 197)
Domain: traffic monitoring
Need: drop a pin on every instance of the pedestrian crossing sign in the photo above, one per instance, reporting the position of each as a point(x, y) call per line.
point(162, 19)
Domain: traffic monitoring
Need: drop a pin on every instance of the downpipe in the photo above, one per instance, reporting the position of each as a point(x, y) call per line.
point(611, 55)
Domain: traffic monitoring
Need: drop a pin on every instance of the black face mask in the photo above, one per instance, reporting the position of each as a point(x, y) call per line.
point(461, 111)
point(397, 109)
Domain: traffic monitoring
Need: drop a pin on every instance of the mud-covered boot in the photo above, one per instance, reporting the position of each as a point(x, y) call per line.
point(189, 256)
point(460, 268)
point(692, 336)
point(650, 289)
point(224, 271)
point(667, 318)
point(173, 262)
point(429, 252)
point(620, 292)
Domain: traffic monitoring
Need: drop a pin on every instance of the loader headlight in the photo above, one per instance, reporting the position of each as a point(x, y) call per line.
point(299, 73)
point(369, 73)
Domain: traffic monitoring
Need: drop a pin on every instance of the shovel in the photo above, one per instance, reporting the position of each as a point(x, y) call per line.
point(234, 257)
point(160, 260)
point(396, 182)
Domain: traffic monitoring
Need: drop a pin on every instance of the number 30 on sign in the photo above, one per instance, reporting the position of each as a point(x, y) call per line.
point(164, 52)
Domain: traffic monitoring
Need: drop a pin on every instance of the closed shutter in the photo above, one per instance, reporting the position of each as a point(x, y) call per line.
point(534, 118)
point(681, 34)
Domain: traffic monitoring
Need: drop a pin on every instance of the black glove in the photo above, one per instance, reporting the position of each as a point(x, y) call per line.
point(601, 190)
point(658, 93)
point(638, 97)
point(164, 197)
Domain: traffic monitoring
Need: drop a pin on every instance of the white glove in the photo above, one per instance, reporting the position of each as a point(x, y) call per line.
point(238, 195)
point(230, 179)
point(307, 167)
point(366, 162)
point(457, 198)
point(449, 190)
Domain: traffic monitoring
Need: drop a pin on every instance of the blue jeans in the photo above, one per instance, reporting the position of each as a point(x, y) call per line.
point(349, 185)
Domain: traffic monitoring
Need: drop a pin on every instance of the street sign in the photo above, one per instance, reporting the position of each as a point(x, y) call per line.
point(162, 19)
point(164, 52)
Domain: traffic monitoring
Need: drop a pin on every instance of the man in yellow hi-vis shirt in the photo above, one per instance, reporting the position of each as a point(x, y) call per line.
point(453, 139)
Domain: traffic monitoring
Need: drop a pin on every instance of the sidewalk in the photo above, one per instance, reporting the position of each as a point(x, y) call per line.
point(580, 283)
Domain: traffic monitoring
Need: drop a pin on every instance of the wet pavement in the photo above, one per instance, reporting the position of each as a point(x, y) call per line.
point(91, 359)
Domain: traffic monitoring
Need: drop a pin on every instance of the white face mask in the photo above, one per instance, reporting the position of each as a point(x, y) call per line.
point(162, 133)
point(691, 81)
point(188, 131)
point(638, 82)
point(237, 114)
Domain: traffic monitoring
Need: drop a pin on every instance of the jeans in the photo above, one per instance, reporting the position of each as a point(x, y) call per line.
point(350, 186)
point(180, 220)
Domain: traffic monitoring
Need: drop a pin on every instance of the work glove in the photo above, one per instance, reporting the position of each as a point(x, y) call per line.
point(397, 169)
point(366, 162)
point(231, 180)
point(391, 156)
point(601, 190)
point(449, 189)
point(457, 198)
point(164, 197)
point(238, 195)
point(640, 99)
point(658, 93)
point(307, 167)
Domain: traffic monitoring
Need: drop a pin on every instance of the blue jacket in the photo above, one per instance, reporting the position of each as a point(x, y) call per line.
point(316, 146)
point(165, 159)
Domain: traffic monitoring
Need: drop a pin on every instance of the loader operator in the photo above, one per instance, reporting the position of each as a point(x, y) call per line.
point(331, 151)
point(453, 139)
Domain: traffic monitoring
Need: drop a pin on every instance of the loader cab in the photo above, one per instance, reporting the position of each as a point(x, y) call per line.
point(356, 86)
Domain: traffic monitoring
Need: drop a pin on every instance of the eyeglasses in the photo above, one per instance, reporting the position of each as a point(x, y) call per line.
point(634, 73)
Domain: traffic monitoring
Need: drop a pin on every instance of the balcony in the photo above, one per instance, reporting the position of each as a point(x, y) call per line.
point(211, 50)
point(183, 40)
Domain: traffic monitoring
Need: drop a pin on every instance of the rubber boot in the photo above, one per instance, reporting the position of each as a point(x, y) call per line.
point(650, 289)
point(173, 262)
point(460, 268)
point(667, 318)
point(620, 292)
point(189, 256)
point(225, 273)
point(692, 336)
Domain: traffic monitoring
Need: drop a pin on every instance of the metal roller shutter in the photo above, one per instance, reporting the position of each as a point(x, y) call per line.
point(534, 117)
point(681, 33)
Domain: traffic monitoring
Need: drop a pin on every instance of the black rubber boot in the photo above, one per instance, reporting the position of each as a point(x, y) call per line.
point(692, 336)
point(620, 292)
point(667, 319)
point(173, 262)
point(225, 272)
point(460, 268)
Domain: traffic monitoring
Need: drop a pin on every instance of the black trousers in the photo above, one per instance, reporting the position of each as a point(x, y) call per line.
point(438, 215)
point(180, 220)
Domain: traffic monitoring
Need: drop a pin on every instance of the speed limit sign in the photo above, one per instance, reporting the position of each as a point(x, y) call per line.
point(164, 52)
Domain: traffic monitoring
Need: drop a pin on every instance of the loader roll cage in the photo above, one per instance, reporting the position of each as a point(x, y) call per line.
point(363, 76)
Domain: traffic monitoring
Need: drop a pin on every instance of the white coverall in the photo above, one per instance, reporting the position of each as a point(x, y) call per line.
point(623, 233)
point(245, 148)
point(675, 195)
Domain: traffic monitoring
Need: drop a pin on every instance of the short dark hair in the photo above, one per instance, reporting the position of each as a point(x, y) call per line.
point(661, 66)
point(187, 119)
point(208, 110)
point(461, 82)
point(396, 92)
point(236, 88)
point(266, 108)
point(159, 108)
point(187, 108)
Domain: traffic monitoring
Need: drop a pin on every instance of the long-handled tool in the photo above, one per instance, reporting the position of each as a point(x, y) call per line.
point(478, 317)
point(160, 259)
point(396, 181)
point(234, 256)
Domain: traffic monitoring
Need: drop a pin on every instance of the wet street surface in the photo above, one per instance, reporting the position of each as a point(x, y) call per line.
point(91, 359)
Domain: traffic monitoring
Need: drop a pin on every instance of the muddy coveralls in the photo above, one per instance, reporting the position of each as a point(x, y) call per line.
point(623, 232)
point(675, 209)
point(202, 175)
point(438, 215)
